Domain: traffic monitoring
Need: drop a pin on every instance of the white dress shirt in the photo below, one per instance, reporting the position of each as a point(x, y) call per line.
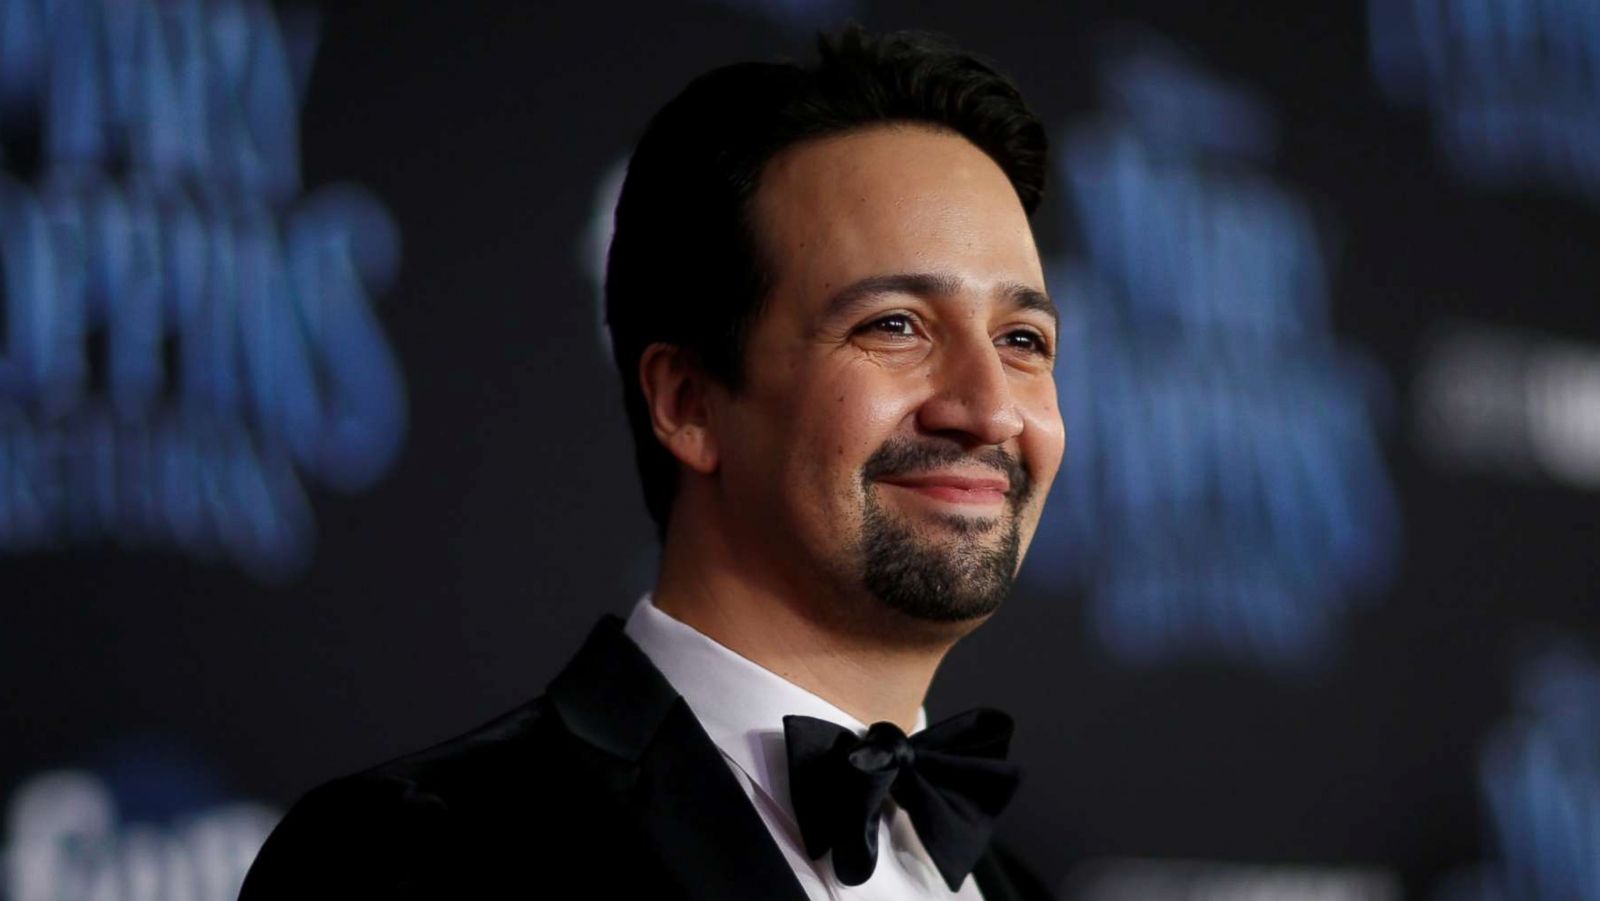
point(741, 705)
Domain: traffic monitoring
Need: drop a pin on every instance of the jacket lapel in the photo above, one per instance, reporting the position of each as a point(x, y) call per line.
point(992, 880)
point(671, 775)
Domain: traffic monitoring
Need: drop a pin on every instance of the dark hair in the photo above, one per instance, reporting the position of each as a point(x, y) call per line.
point(686, 267)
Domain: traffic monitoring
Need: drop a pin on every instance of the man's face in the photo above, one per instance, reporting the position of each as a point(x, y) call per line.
point(897, 431)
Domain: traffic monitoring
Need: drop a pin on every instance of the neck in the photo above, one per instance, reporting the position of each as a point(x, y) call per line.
point(875, 667)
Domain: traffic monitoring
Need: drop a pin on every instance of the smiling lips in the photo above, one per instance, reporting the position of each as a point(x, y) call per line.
point(955, 489)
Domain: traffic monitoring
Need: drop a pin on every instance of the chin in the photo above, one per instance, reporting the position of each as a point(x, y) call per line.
point(960, 580)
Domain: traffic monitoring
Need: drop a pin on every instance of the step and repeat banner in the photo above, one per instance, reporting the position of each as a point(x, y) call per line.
point(311, 451)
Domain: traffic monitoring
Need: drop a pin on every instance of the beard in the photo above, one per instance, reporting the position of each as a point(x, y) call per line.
point(931, 577)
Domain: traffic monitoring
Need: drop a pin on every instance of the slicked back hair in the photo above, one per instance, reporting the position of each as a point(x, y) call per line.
point(686, 266)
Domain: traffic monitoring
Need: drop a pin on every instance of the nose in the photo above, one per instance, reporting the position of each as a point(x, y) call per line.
point(972, 399)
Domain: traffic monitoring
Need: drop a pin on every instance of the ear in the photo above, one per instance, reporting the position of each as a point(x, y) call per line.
point(675, 393)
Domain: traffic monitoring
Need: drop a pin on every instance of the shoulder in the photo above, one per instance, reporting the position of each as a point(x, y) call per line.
point(413, 827)
point(352, 836)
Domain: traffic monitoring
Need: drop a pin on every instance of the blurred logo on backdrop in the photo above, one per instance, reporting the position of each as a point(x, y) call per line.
point(1135, 879)
point(1539, 777)
point(1498, 400)
point(186, 333)
point(797, 13)
point(149, 826)
point(1513, 86)
point(1224, 493)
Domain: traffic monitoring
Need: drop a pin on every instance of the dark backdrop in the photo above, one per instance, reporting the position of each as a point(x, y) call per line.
point(1345, 627)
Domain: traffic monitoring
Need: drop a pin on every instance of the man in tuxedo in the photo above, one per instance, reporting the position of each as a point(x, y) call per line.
point(836, 353)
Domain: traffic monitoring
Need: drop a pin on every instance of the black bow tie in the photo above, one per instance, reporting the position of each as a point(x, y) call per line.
point(951, 778)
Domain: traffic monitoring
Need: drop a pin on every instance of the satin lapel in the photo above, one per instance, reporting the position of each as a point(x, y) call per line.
point(992, 880)
point(698, 815)
point(1002, 877)
point(687, 801)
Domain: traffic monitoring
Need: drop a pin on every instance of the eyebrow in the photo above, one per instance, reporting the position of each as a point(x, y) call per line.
point(859, 293)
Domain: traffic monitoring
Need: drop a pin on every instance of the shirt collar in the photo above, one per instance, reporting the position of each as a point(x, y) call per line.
point(740, 703)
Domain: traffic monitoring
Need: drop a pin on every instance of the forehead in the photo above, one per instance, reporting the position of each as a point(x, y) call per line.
point(890, 199)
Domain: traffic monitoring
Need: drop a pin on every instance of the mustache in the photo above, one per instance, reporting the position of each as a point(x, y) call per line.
point(903, 456)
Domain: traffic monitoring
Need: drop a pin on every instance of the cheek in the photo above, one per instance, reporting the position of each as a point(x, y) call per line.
point(1044, 437)
point(845, 418)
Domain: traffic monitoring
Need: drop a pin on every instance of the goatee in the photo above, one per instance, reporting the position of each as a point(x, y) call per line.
point(934, 578)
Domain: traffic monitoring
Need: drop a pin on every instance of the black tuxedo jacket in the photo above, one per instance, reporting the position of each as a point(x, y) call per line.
point(605, 787)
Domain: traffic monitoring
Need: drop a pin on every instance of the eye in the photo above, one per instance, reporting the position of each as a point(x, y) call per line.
point(1027, 340)
point(897, 324)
